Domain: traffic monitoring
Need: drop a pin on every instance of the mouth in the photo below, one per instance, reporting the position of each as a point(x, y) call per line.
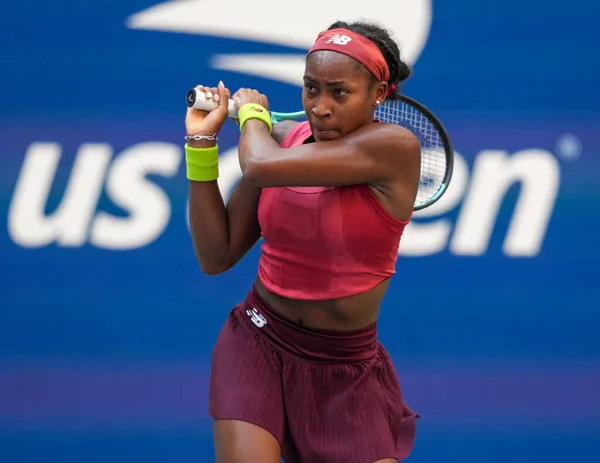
point(326, 134)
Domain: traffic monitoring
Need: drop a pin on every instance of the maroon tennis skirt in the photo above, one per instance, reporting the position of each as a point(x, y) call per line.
point(327, 396)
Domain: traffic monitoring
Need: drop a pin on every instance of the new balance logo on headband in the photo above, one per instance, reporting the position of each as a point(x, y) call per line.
point(339, 39)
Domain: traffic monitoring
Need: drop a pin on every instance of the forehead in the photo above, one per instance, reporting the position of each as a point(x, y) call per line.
point(332, 66)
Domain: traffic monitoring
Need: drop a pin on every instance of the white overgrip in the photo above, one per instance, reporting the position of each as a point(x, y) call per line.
point(208, 104)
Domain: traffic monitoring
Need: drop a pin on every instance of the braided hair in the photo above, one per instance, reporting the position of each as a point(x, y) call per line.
point(399, 70)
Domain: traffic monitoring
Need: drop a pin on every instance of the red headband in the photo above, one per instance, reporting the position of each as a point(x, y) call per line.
point(356, 46)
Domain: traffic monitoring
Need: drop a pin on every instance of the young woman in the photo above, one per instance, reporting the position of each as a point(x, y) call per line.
point(297, 370)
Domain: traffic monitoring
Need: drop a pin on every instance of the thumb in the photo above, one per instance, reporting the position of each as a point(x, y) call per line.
point(223, 99)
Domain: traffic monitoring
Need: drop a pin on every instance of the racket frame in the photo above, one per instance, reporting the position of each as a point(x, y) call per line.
point(448, 149)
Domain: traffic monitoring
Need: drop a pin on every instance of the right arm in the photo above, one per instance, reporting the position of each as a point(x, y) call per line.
point(222, 233)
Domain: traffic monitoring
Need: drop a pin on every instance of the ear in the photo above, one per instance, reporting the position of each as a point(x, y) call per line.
point(380, 93)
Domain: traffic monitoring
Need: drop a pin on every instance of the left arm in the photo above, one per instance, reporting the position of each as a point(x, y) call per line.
point(374, 154)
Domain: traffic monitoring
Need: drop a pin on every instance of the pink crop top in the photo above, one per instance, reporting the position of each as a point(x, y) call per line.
point(325, 242)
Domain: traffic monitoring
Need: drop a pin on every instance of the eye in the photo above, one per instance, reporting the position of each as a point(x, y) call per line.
point(310, 88)
point(340, 92)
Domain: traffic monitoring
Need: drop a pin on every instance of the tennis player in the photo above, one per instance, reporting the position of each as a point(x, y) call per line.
point(297, 370)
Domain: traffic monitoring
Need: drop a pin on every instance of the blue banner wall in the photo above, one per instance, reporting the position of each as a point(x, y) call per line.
point(106, 322)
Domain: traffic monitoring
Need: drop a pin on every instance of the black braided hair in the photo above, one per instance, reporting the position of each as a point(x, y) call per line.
point(399, 70)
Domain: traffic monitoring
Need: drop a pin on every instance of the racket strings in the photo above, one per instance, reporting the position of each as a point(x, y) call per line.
point(433, 154)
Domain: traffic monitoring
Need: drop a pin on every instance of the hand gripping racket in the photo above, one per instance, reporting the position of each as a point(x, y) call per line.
point(437, 155)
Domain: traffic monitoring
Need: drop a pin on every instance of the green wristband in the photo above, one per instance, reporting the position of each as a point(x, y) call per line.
point(202, 164)
point(254, 111)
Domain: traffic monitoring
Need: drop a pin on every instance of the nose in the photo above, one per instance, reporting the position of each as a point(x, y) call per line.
point(321, 109)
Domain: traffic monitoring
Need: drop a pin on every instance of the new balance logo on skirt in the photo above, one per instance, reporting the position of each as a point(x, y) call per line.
point(256, 318)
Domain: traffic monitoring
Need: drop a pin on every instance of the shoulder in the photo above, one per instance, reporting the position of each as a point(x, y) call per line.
point(397, 135)
point(409, 146)
point(388, 140)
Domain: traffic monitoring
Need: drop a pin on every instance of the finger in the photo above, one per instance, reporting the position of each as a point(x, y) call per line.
point(223, 91)
point(223, 96)
point(211, 92)
point(217, 92)
point(263, 100)
point(237, 98)
point(227, 90)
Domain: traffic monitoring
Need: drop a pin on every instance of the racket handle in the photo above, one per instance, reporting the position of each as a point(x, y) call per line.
point(197, 100)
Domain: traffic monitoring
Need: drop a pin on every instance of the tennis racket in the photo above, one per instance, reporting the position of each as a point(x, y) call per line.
point(437, 155)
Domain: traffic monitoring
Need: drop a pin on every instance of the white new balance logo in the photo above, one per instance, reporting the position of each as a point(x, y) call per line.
point(339, 39)
point(256, 318)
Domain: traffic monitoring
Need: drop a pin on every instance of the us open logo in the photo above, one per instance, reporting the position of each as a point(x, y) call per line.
point(411, 23)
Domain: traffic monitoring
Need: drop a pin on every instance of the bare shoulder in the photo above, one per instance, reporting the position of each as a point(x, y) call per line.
point(396, 134)
point(282, 129)
point(395, 142)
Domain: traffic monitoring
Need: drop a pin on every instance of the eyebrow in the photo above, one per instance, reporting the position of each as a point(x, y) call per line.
point(329, 84)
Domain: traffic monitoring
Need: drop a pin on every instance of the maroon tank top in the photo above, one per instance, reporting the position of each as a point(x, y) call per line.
point(325, 242)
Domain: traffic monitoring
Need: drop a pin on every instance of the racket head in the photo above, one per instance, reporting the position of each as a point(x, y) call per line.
point(437, 154)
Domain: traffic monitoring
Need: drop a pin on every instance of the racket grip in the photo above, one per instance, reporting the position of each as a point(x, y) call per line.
point(197, 100)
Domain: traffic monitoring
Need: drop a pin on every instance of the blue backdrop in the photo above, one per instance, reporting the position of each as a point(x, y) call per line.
point(107, 323)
